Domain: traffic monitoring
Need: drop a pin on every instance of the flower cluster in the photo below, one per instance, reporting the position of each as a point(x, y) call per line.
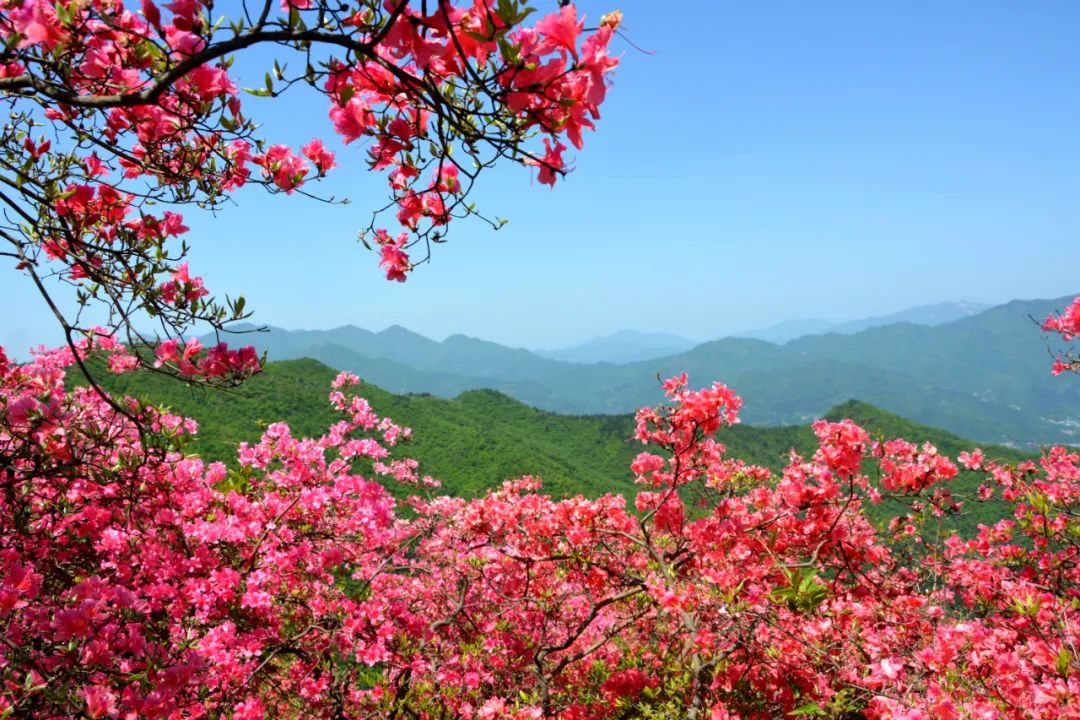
point(1067, 326)
point(544, 79)
point(137, 582)
point(119, 108)
point(217, 361)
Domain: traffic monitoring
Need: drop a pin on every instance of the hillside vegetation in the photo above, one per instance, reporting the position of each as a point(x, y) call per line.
point(983, 376)
point(480, 438)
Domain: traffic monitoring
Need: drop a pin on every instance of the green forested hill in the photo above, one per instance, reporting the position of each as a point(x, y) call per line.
point(470, 443)
point(481, 437)
point(985, 376)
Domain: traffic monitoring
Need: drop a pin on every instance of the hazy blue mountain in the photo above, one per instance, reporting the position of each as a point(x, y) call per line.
point(457, 354)
point(998, 356)
point(392, 343)
point(985, 376)
point(788, 330)
point(623, 346)
point(393, 376)
point(929, 315)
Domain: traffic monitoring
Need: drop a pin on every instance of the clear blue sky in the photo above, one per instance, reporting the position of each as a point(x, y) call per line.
point(769, 161)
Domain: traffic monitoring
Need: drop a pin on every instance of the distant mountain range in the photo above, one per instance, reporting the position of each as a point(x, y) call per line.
point(625, 346)
point(922, 315)
point(480, 438)
point(984, 375)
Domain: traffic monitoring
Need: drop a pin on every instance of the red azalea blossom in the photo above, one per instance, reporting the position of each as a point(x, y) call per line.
point(155, 118)
point(148, 585)
point(1067, 326)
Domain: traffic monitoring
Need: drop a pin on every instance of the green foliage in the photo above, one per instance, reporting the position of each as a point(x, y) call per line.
point(985, 376)
point(470, 443)
point(803, 593)
point(482, 437)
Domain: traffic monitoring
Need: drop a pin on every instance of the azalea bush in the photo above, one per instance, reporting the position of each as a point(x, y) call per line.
point(138, 582)
point(119, 116)
point(1067, 327)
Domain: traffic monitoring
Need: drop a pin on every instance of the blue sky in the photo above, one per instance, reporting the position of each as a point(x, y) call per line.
point(767, 161)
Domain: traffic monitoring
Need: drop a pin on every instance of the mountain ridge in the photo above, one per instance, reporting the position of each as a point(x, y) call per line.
point(475, 441)
point(930, 315)
point(621, 346)
point(983, 376)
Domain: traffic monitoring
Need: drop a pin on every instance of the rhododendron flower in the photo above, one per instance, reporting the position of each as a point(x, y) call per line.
point(560, 30)
point(183, 43)
point(447, 179)
point(627, 683)
point(36, 151)
point(283, 167)
point(891, 668)
point(123, 362)
point(100, 702)
point(151, 12)
point(395, 261)
point(552, 162)
point(36, 22)
point(182, 288)
point(72, 623)
point(20, 410)
point(1067, 324)
point(843, 445)
point(167, 351)
point(318, 154)
point(972, 460)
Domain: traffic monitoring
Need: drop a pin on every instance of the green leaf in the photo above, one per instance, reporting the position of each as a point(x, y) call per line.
point(1064, 659)
point(808, 709)
point(63, 13)
point(511, 53)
